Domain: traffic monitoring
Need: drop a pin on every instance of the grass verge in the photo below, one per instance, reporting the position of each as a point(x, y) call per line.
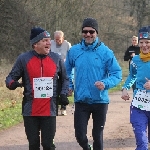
point(10, 116)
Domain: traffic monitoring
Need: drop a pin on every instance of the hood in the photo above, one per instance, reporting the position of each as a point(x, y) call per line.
point(92, 46)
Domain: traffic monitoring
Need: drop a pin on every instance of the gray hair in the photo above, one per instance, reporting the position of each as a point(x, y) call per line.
point(59, 33)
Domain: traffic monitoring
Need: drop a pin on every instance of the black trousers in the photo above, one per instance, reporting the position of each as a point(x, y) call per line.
point(81, 117)
point(45, 125)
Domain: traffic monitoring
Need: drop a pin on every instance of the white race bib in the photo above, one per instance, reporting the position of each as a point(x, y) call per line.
point(142, 100)
point(43, 87)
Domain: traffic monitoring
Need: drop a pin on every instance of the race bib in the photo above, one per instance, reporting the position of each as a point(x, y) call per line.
point(142, 100)
point(43, 87)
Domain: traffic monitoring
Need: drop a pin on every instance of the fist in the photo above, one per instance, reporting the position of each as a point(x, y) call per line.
point(100, 85)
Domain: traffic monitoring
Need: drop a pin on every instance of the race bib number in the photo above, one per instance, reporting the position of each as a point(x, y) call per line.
point(43, 87)
point(142, 100)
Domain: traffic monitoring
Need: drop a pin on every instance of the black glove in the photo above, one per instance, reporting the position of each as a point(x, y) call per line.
point(64, 100)
point(14, 85)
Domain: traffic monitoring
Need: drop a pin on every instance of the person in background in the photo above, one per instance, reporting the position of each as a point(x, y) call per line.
point(132, 50)
point(96, 71)
point(140, 105)
point(39, 69)
point(60, 46)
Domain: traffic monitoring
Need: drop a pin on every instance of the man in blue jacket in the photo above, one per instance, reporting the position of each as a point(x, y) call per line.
point(97, 70)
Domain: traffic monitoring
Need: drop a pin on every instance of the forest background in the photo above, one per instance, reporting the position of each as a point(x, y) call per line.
point(118, 21)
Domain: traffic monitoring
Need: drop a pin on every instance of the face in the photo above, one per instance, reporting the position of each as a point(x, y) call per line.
point(89, 34)
point(134, 41)
point(43, 46)
point(58, 39)
point(144, 45)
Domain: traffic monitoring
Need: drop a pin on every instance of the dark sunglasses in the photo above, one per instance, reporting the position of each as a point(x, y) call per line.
point(86, 31)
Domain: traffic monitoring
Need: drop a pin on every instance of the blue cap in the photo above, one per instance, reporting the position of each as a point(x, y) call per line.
point(144, 33)
point(38, 34)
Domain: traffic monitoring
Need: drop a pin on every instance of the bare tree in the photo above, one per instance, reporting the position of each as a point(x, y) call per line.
point(118, 21)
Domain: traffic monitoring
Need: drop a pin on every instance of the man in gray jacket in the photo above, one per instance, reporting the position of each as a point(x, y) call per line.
point(60, 46)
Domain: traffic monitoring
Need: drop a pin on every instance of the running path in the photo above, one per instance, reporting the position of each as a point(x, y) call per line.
point(118, 134)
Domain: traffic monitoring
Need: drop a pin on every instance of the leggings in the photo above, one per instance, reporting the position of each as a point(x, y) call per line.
point(140, 120)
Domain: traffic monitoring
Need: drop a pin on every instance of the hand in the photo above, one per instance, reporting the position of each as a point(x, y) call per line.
point(64, 100)
point(100, 85)
point(133, 54)
point(70, 92)
point(147, 84)
point(125, 95)
point(14, 85)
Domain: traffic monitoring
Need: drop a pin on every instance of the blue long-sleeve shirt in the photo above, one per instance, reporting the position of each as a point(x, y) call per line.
point(139, 70)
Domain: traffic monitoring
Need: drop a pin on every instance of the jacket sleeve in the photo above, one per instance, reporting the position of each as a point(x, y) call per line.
point(131, 77)
point(71, 76)
point(15, 73)
point(127, 56)
point(70, 70)
point(113, 70)
point(63, 78)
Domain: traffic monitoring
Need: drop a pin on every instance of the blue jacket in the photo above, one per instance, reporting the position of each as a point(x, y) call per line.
point(138, 71)
point(92, 63)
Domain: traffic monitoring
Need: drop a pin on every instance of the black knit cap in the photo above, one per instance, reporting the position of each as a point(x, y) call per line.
point(90, 22)
point(38, 34)
point(144, 33)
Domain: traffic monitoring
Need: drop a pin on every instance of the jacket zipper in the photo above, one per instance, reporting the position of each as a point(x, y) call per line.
point(41, 68)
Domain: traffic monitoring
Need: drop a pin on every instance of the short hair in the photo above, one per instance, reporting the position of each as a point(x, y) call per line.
point(134, 37)
point(59, 33)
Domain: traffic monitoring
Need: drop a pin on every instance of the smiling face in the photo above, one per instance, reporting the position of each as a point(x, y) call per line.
point(43, 46)
point(89, 34)
point(144, 45)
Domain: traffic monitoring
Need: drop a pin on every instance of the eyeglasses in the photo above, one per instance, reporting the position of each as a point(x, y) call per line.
point(86, 31)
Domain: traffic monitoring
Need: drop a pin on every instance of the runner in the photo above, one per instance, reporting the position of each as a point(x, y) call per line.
point(61, 46)
point(132, 50)
point(140, 106)
point(39, 69)
point(96, 71)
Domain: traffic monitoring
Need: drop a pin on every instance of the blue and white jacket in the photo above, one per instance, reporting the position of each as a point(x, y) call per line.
point(139, 70)
point(95, 62)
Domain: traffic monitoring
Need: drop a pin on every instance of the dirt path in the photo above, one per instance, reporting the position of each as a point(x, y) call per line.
point(118, 133)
